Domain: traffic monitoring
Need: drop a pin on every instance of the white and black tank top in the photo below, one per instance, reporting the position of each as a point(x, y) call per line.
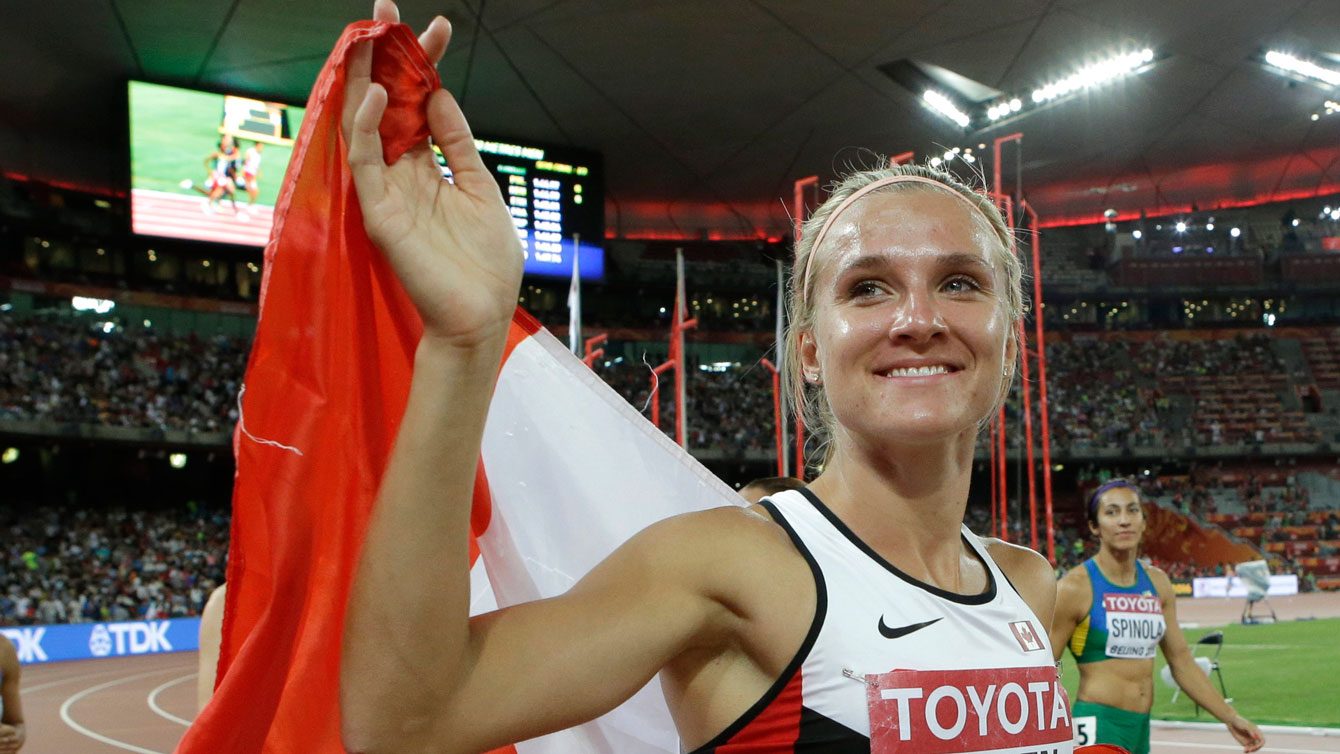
point(894, 664)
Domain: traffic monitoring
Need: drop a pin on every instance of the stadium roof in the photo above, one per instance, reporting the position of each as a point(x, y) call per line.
point(707, 110)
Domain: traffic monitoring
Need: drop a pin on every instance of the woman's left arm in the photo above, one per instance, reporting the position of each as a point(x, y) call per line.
point(1190, 678)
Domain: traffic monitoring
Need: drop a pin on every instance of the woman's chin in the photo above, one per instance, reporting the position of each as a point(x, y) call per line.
point(922, 431)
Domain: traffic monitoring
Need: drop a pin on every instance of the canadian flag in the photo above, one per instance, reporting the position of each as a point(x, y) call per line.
point(568, 469)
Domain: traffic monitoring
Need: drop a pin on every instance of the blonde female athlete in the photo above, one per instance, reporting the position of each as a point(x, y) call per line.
point(1114, 613)
point(857, 615)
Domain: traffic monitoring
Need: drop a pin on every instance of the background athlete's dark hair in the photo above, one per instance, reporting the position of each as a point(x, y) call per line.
point(770, 485)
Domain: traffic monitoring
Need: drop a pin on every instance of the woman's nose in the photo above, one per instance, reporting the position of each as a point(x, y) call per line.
point(918, 318)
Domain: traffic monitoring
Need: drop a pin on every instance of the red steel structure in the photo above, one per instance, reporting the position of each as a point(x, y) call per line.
point(678, 326)
point(1042, 380)
point(1006, 203)
point(777, 415)
point(798, 219)
point(590, 358)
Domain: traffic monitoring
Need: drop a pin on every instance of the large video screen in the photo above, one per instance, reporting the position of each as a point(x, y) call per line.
point(208, 167)
point(204, 166)
point(557, 200)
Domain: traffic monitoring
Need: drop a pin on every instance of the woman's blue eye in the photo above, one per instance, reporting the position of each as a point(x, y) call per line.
point(961, 285)
point(866, 288)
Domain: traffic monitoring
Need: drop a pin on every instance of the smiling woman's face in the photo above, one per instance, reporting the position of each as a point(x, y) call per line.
point(910, 338)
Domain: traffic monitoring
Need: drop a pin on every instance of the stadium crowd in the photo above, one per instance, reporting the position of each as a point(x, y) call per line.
point(93, 565)
point(1103, 394)
point(62, 565)
point(76, 371)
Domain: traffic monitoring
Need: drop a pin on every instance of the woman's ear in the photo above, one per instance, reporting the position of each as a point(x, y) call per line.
point(809, 358)
point(1012, 349)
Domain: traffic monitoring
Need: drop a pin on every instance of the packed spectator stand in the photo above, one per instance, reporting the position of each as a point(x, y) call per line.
point(1108, 393)
point(74, 565)
point(78, 371)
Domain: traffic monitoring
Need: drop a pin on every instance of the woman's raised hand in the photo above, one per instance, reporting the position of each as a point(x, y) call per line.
point(452, 245)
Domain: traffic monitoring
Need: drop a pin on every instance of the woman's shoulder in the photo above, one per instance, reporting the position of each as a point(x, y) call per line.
point(731, 536)
point(1159, 578)
point(738, 557)
point(1019, 562)
point(1030, 574)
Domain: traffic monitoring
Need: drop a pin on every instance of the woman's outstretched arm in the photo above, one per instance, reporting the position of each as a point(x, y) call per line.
point(417, 673)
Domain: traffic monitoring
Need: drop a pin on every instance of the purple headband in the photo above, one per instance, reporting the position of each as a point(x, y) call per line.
point(850, 200)
point(1115, 483)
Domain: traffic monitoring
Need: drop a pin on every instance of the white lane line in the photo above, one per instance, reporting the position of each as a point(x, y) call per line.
point(65, 712)
point(71, 679)
point(153, 700)
point(1266, 750)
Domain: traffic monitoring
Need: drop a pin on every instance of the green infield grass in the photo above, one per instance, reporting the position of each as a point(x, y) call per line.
point(1281, 673)
point(174, 130)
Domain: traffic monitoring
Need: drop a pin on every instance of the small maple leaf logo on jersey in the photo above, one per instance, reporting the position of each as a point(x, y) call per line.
point(1026, 636)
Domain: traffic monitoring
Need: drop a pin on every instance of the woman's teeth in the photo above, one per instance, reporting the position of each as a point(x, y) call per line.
point(917, 371)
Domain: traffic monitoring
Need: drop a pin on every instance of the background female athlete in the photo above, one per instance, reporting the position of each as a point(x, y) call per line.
point(1114, 613)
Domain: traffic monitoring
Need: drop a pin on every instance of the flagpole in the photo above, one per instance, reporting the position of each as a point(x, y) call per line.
point(680, 324)
point(575, 299)
point(783, 465)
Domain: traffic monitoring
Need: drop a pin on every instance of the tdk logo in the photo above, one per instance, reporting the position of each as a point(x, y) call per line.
point(28, 643)
point(129, 638)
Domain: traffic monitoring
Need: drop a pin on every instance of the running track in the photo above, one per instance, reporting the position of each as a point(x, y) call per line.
point(160, 213)
point(143, 704)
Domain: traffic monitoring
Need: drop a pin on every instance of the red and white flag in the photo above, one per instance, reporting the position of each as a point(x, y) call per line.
point(568, 469)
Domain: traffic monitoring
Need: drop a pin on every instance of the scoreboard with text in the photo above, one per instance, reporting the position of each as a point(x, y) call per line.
point(556, 197)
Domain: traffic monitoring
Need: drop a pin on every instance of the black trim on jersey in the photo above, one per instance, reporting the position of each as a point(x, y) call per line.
point(984, 552)
point(1011, 583)
point(962, 599)
point(820, 734)
point(820, 612)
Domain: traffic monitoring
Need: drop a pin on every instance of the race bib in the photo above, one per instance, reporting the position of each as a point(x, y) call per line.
point(1086, 730)
point(1134, 625)
point(997, 710)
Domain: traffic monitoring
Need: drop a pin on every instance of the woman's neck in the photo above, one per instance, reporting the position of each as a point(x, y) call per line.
point(1117, 565)
point(905, 502)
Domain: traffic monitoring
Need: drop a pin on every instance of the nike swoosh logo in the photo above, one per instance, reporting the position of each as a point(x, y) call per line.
point(894, 633)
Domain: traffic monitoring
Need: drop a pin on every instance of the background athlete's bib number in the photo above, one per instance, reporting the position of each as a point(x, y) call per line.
point(1086, 729)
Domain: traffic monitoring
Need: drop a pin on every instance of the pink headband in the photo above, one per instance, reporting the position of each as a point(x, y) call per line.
point(850, 200)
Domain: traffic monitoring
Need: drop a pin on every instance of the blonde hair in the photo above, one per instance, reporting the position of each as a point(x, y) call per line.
point(807, 402)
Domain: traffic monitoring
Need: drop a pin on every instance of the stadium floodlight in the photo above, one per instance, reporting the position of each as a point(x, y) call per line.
point(1306, 68)
point(96, 305)
point(946, 107)
point(1235, 232)
point(1209, 226)
point(10, 456)
point(1137, 235)
point(177, 460)
point(1181, 226)
point(1094, 75)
